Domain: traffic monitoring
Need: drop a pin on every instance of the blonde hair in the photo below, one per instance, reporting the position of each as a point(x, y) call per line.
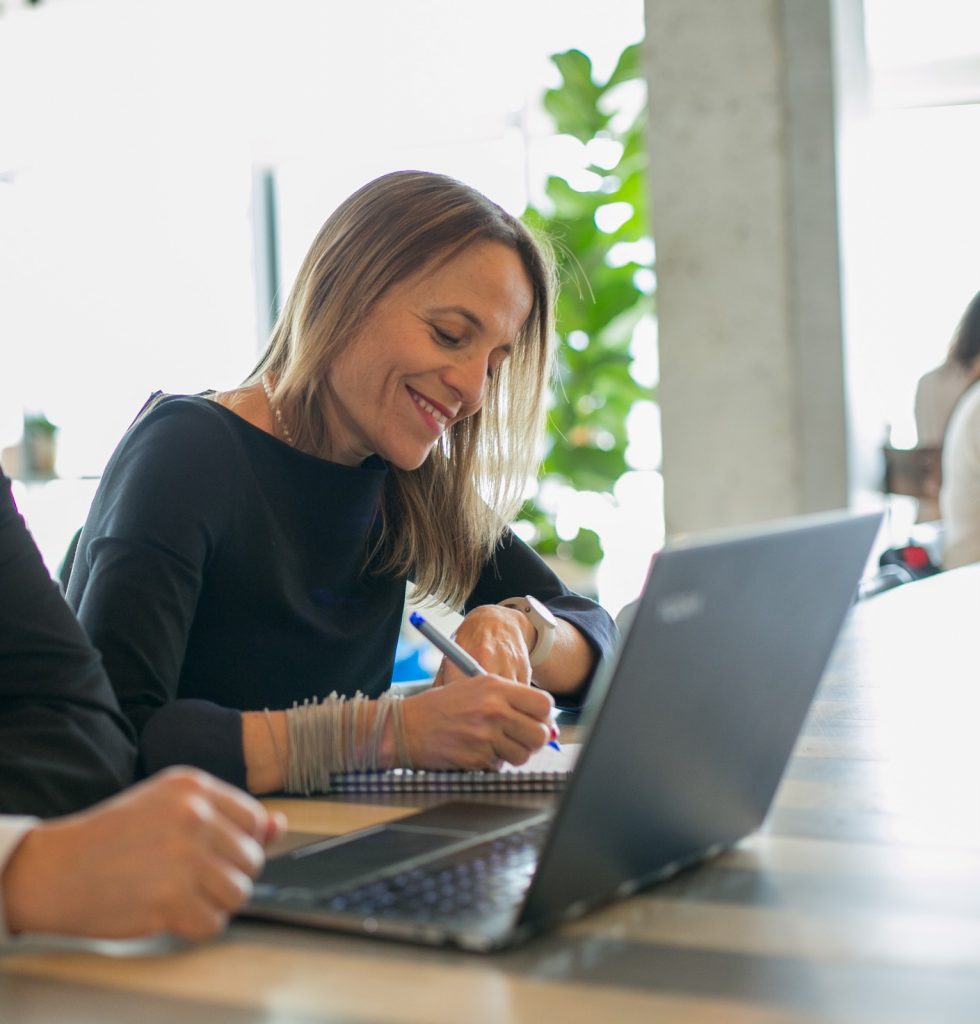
point(441, 522)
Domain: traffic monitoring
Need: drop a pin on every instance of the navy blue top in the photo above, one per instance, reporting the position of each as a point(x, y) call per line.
point(221, 570)
point(63, 742)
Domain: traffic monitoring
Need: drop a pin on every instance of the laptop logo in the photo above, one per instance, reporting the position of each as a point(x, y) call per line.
point(687, 604)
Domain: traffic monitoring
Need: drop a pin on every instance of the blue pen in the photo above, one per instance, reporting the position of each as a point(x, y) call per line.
point(466, 663)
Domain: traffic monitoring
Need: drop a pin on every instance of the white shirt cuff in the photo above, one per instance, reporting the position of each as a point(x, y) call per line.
point(12, 831)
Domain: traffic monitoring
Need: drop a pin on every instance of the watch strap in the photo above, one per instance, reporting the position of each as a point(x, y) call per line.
point(543, 622)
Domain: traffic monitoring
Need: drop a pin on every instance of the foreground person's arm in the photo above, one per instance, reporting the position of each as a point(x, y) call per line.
point(64, 744)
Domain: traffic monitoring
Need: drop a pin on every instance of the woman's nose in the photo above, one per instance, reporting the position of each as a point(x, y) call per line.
point(467, 376)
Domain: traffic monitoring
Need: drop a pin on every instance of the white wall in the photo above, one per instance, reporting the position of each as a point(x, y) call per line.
point(129, 134)
point(129, 131)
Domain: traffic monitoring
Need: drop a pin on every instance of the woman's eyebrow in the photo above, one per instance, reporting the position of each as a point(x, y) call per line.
point(462, 311)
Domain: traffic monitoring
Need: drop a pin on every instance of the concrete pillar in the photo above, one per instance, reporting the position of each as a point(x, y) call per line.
point(744, 202)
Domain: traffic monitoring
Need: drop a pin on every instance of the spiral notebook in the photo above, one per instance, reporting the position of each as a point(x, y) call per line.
point(545, 772)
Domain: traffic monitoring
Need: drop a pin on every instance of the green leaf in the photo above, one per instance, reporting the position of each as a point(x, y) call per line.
point(628, 67)
point(574, 106)
point(576, 72)
point(586, 548)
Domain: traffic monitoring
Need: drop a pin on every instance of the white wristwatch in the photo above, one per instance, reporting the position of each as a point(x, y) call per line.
point(543, 621)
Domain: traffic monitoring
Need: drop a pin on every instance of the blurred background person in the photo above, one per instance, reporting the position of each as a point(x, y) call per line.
point(960, 496)
point(939, 390)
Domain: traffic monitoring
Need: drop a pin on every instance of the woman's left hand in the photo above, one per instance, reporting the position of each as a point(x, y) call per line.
point(498, 639)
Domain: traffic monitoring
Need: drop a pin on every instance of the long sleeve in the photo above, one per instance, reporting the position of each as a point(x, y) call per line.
point(63, 742)
point(221, 571)
point(137, 579)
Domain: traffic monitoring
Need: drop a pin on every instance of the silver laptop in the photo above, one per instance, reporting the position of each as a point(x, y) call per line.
point(689, 729)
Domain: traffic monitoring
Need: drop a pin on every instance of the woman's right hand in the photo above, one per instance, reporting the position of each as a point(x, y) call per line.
point(476, 723)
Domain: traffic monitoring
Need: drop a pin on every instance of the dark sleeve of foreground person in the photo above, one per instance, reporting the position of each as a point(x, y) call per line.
point(64, 744)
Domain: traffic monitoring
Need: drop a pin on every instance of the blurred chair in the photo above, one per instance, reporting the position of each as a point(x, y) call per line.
point(916, 473)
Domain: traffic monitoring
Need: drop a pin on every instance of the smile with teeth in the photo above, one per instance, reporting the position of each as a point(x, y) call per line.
point(437, 414)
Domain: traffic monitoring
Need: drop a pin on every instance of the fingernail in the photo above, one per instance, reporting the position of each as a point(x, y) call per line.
point(276, 826)
point(254, 852)
point(554, 731)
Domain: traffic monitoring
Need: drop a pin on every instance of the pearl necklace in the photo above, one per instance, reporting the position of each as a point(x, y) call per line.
point(276, 412)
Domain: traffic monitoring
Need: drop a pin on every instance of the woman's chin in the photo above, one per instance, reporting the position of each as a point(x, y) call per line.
point(408, 461)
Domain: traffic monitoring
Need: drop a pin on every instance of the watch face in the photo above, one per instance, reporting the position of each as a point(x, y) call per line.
point(541, 610)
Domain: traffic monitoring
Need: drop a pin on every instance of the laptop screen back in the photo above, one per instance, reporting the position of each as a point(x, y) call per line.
point(706, 698)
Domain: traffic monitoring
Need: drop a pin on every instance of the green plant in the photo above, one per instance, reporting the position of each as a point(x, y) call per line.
point(603, 292)
point(37, 424)
point(38, 447)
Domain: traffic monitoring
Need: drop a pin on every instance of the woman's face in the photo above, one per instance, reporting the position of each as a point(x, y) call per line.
point(423, 358)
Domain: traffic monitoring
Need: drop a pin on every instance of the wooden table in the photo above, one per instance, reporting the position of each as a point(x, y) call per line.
point(859, 900)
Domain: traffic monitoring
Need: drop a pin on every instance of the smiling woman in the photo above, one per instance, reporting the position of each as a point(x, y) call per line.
point(248, 552)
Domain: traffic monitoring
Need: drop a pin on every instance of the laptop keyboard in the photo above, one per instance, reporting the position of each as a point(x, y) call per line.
point(478, 880)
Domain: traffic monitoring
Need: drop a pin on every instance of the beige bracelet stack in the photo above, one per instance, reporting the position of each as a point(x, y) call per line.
point(337, 735)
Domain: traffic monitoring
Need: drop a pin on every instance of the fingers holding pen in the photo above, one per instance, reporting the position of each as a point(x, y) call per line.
point(476, 723)
point(484, 718)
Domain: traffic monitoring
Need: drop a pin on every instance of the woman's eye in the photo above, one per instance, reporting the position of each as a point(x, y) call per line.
point(446, 339)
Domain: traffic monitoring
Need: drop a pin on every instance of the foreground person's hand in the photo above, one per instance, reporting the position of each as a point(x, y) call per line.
point(175, 854)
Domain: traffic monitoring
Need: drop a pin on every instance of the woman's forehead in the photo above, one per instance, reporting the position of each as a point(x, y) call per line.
point(486, 283)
